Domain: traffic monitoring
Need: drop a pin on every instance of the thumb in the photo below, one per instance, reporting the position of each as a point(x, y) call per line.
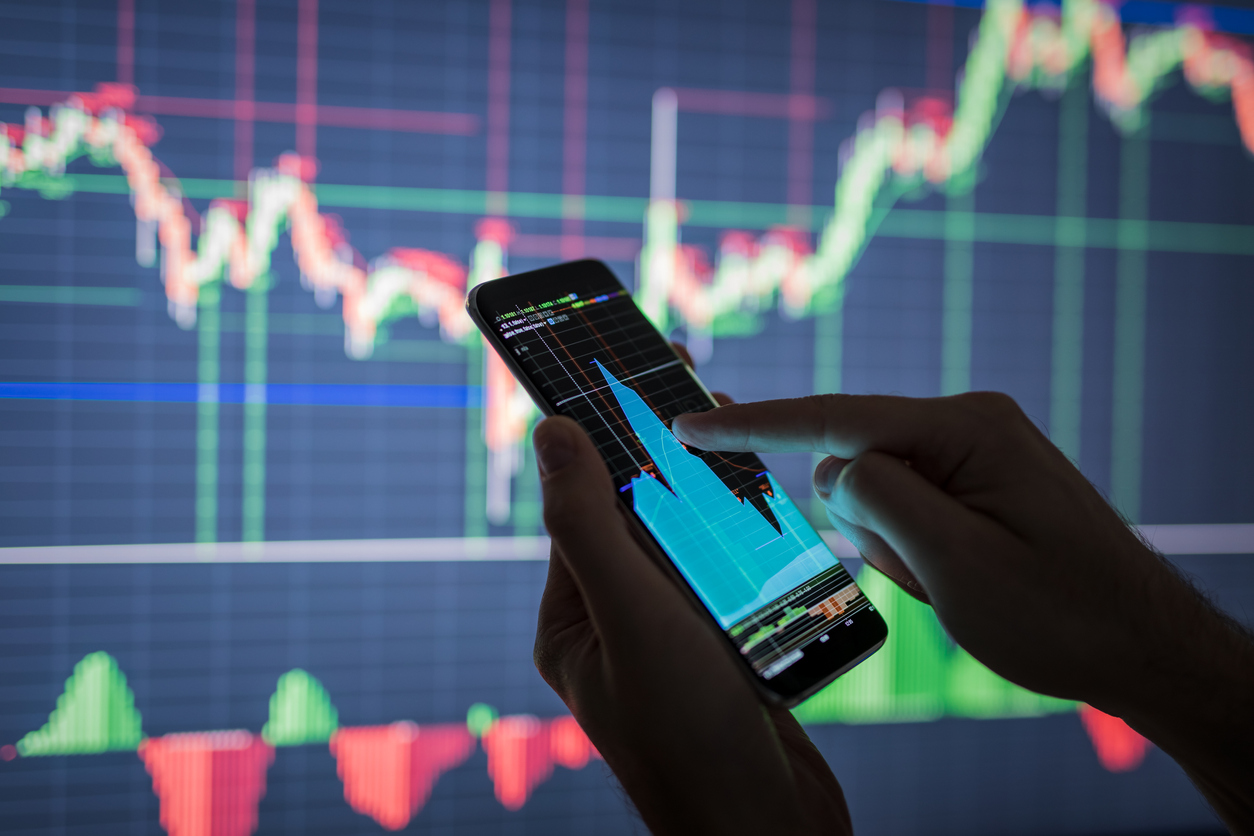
point(583, 516)
point(933, 534)
point(869, 544)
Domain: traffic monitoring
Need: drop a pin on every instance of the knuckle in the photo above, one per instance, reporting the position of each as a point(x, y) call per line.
point(858, 476)
point(549, 663)
point(563, 504)
point(556, 511)
point(826, 408)
point(998, 404)
point(993, 408)
point(743, 421)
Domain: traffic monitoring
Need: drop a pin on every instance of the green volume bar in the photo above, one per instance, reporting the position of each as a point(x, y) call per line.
point(96, 713)
point(208, 368)
point(255, 372)
point(1067, 372)
point(958, 293)
point(1129, 374)
point(476, 522)
point(300, 711)
point(918, 675)
point(904, 681)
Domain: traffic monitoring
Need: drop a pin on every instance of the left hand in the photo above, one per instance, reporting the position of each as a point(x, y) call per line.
point(650, 681)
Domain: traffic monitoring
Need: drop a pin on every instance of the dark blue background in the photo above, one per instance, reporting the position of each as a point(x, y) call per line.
point(203, 645)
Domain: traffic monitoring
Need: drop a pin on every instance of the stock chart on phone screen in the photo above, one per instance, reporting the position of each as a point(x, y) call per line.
point(270, 541)
point(733, 533)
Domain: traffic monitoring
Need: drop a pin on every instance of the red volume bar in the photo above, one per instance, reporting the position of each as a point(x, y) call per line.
point(1119, 747)
point(523, 749)
point(389, 771)
point(209, 783)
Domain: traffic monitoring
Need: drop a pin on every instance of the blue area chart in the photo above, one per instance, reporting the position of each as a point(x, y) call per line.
point(735, 560)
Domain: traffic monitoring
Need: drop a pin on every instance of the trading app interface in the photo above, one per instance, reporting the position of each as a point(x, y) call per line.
point(737, 538)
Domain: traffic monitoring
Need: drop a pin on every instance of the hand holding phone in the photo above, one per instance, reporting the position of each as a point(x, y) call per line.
point(648, 680)
point(965, 504)
point(723, 526)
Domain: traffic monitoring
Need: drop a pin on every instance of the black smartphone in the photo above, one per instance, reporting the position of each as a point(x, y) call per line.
point(722, 525)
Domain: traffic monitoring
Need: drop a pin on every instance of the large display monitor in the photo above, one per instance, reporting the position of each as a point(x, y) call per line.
point(270, 541)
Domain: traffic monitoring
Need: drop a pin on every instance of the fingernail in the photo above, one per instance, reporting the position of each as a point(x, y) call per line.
point(826, 474)
point(677, 426)
point(554, 447)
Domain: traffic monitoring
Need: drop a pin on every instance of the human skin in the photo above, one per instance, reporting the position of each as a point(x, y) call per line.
point(966, 505)
point(651, 682)
point(969, 507)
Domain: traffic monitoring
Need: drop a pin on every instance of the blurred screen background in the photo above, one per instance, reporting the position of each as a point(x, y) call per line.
point(271, 542)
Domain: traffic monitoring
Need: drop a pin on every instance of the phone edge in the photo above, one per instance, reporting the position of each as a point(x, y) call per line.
point(644, 537)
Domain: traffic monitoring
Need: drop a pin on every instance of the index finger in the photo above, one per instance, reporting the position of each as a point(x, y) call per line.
point(840, 425)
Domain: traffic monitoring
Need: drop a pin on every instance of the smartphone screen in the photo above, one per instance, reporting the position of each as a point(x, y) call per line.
point(576, 338)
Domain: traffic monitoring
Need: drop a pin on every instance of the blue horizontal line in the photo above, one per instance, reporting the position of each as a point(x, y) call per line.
point(285, 394)
point(1149, 12)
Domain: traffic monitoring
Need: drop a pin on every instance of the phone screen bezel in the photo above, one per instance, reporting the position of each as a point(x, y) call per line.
point(819, 666)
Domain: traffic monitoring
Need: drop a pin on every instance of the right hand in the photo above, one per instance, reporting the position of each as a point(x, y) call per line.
point(968, 506)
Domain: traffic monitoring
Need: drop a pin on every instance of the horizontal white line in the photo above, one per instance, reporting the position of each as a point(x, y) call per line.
point(1169, 539)
point(1201, 539)
point(415, 550)
point(588, 392)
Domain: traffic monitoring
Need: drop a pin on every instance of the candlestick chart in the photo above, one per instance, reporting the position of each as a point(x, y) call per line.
point(895, 153)
point(237, 237)
point(929, 141)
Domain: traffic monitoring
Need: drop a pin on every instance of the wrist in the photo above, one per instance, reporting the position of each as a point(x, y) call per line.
point(1191, 695)
point(1204, 723)
point(684, 777)
point(1202, 687)
point(1164, 643)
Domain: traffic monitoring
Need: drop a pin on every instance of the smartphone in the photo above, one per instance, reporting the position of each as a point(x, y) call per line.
point(719, 522)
